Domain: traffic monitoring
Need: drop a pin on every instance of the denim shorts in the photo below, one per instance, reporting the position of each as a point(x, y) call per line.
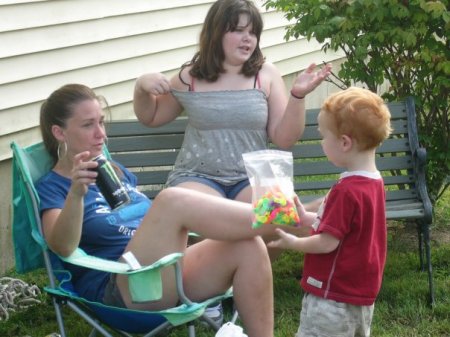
point(112, 296)
point(227, 191)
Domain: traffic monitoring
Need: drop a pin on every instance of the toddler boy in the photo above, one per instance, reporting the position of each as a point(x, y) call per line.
point(346, 252)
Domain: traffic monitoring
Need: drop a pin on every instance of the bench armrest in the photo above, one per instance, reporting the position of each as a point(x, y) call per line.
point(419, 155)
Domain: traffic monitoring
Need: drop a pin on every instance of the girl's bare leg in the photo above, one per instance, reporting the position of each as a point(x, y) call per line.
point(196, 186)
point(164, 230)
point(210, 267)
point(244, 196)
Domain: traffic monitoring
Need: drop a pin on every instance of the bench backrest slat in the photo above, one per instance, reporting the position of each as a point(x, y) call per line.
point(314, 150)
point(146, 159)
point(145, 143)
point(127, 128)
point(399, 126)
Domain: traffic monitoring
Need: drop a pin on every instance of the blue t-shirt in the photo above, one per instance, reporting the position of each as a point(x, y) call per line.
point(105, 233)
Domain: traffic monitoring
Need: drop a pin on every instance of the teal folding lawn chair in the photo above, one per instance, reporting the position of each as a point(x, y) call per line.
point(31, 252)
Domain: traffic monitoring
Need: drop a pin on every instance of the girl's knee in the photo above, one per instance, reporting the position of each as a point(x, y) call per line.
point(255, 247)
point(168, 198)
point(167, 194)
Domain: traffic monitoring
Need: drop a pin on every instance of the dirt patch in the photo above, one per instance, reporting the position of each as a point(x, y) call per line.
point(406, 234)
point(441, 235)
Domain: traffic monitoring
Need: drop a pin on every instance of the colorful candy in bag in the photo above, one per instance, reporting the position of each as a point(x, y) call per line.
point(275, 208)
point(270, 173)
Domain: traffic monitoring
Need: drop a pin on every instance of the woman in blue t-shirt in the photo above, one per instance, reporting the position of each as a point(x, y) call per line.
point(74, 213)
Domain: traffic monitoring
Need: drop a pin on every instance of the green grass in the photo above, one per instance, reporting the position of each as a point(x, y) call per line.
point(401, 309)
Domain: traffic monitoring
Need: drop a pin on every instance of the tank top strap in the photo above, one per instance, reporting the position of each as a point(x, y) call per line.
point(257, 81)
point(191, 85)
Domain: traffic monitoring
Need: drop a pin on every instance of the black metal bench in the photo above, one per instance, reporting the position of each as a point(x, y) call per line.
point(151, 152)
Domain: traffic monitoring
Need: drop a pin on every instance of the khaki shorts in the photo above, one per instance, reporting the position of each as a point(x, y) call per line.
point(327, 318)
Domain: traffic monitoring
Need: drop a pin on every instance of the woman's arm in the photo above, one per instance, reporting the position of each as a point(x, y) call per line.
point(152, 101)
point(62, 227)
point(287, 115)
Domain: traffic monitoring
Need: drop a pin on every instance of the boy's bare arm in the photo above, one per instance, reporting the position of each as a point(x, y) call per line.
point(316, 244)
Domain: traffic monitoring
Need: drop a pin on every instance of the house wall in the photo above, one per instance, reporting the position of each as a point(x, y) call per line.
point(106, 44)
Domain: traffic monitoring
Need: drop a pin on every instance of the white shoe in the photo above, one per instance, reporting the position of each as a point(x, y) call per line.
point(215, 312)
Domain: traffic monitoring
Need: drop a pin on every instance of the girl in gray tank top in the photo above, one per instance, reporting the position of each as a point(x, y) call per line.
point(228, 116)
point(234, 99)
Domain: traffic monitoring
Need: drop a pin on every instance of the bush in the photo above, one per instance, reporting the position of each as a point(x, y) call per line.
point(402, 42)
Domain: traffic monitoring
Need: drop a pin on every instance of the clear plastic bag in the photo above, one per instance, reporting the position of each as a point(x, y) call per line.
point(230, 329)
point(271, 177)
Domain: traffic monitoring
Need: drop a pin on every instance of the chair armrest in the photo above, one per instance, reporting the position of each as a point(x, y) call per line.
point(145, 283)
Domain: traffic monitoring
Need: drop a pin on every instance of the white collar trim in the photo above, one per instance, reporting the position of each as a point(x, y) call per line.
point(367, 174)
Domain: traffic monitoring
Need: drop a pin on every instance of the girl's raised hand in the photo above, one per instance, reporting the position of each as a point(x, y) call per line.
point(154, 83)
point(309, 80)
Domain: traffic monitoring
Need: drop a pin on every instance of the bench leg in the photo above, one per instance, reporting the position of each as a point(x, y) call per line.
point(421, 250)
point(425, 237)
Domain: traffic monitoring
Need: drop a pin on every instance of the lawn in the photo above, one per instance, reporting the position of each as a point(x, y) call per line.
point(400, 311)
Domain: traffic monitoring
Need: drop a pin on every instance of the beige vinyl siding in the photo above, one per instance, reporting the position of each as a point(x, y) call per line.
point(46, 44)
point(105, 44)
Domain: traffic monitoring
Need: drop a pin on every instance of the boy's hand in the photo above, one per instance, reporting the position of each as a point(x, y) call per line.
point(300, 208)
point(306, 218)
point(285, 241)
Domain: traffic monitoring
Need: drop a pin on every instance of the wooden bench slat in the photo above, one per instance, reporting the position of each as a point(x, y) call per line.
point(405, 214)
point(152, 159)
point(407, 194)
point(152, 177)
point(403, 205)
point(145, 143)
point(125, 128)
point(398, 180)
point(314, 150)
point(311, 133)
point(312, 168)
point(150, 194)
point(397, 110)
point(320, 189)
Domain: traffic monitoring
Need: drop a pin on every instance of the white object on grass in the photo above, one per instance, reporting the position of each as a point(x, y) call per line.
point(230, 329)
